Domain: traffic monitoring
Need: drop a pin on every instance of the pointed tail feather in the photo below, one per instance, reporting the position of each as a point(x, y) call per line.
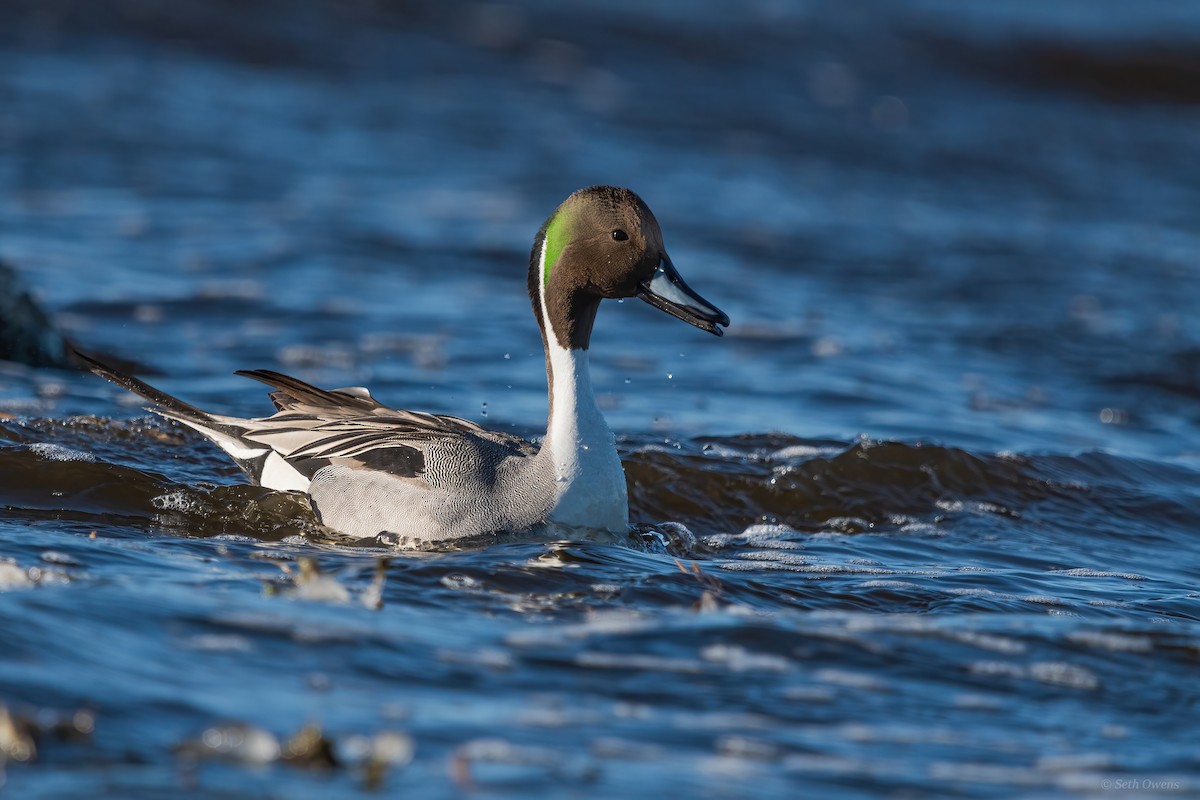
point(260, 463)
point(168, 406)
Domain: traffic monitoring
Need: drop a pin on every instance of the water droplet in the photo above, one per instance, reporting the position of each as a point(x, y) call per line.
point(484, 412)
point(670, 376)
point(628, 381)
point(507, 356)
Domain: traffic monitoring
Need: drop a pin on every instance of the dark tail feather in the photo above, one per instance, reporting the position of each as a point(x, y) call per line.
point(219, 430)
point(173, 406)
point(292, 391)
point(80, 359)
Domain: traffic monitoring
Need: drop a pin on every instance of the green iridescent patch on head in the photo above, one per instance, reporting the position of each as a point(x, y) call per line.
point(557, 234)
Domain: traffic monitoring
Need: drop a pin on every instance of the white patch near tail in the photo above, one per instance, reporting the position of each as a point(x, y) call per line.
point(281, 476)
point(277, 473)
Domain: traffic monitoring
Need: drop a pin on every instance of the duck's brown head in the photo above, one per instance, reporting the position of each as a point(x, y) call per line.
point(604, 242)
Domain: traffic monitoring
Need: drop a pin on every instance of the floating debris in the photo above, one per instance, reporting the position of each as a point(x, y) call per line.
point(309, 582)
point(309, 748)
point(383, 752)
point(14, 576)
point(710, 596)
point(17, 742)
point(20, 733)
point(235, 742)
point(78, 726)
point(372, 596)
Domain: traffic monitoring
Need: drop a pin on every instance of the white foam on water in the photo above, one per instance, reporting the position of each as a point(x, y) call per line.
point(174, 501)
point(57, 452)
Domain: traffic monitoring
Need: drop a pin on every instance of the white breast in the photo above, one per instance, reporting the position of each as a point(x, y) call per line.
point(589, 480)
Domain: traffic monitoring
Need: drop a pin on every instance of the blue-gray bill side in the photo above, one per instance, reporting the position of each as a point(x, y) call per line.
point(666, 290)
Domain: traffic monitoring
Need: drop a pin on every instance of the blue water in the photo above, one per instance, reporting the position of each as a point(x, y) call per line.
point(923, 523)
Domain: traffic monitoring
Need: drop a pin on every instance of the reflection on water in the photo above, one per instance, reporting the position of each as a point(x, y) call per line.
point(923, 522)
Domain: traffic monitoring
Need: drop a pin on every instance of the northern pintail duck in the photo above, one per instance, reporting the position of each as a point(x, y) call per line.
point(371, 469)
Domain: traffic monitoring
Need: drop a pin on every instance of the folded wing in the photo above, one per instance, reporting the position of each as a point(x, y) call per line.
point(314, 428)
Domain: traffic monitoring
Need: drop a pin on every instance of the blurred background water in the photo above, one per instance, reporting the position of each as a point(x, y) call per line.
point(924, 522)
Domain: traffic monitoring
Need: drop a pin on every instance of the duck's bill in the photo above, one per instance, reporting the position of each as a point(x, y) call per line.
point(666, 290)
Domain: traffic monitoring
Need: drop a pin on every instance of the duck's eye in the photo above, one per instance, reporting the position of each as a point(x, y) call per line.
point(620, 235)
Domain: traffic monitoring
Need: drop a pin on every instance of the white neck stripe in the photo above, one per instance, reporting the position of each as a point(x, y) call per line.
point(589, 480)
